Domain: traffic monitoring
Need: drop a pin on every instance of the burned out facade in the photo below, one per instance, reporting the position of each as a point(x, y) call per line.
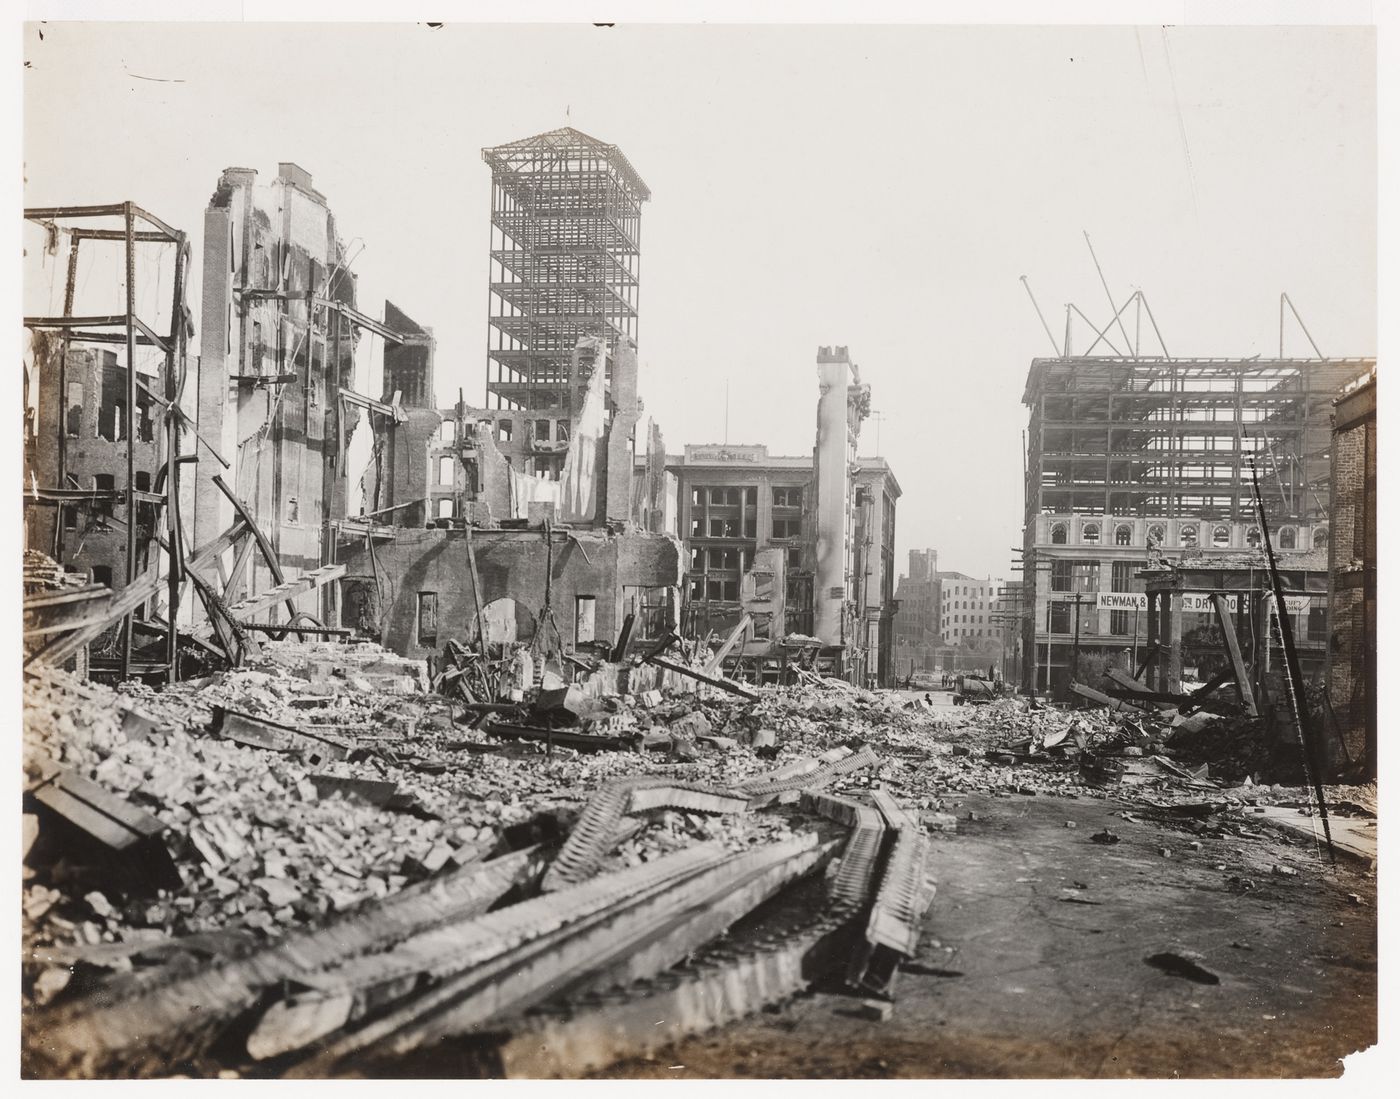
point(535, 522)
point(276, 384)
point(562, 557)
point(78, 440)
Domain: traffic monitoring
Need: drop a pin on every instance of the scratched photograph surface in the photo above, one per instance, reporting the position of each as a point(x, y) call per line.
point(929, 633)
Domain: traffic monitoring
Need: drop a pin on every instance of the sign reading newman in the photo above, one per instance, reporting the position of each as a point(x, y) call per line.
point(1191, 602)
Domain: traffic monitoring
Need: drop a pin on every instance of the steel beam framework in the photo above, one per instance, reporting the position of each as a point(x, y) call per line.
point(131, 331)
point(565, 261)
point(1168, 438)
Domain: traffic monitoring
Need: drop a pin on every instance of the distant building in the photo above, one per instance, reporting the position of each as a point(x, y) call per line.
point(950, 621)
point(916, 622)
point(740, 508)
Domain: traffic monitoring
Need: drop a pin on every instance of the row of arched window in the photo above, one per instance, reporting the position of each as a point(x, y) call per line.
point(1189, 535)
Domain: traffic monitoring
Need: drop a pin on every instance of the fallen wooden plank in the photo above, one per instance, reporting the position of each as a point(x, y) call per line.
point(563, 738)
point(284, 592)
point(132, 836)
point(716, 662)
point(123, 603)
point(691, 673)
point(370, 790)
point(257, 732)
point(1123, 679)
point(1243, 689)
point(1103, 699)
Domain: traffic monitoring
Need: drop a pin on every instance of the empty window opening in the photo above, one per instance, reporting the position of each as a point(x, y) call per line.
point(74, 426)
point(445, 474)
point(427, 618)
point(585, 613)
point(1220, 537)
point(444, 508)
point(104, 482)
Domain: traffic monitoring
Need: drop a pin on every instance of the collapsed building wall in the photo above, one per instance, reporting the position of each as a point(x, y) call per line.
point(558, 590)
point(273, 356)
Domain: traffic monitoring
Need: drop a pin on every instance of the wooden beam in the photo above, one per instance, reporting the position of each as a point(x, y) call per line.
point(283, 592)
point(717, 661)
point(1242, 681)
point(1102, 699)
point(691, 673)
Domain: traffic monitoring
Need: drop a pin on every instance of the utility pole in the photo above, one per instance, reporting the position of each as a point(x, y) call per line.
point(1074, 660)
point(878, 417)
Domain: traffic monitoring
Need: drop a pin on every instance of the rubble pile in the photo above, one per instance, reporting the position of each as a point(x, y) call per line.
point(43, 573)
point(324, 783)
point(264, 842)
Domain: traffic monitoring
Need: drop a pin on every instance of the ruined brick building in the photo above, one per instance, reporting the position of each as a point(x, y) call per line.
point(104, 360)
point(1351, 666)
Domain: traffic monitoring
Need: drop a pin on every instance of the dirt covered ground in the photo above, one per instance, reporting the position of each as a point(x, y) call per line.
point(1034, 963)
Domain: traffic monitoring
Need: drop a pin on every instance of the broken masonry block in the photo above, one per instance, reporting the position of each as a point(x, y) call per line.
point(879, 1011)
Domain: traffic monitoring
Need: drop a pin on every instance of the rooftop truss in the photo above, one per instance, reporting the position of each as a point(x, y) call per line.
point(565, 260)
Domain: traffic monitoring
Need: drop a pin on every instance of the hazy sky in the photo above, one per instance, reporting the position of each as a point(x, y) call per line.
point(883, 188)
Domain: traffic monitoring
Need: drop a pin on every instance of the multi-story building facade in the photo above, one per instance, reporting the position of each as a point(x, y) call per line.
point(1089, 599)
point(733, 502)
point(737, 501)
point(1124, 454)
